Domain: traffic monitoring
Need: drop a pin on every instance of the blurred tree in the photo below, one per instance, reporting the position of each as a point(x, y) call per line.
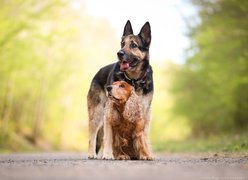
point(211, 89)
point(47, 55)
point(18, 60)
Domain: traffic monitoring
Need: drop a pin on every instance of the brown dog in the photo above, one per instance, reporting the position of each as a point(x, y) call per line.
point(124, 124)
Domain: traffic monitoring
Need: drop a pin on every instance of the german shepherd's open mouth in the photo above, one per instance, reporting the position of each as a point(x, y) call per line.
point(126, 64)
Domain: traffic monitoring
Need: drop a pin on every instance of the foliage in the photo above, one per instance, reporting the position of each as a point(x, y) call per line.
point(211, 87)
point(46, 53)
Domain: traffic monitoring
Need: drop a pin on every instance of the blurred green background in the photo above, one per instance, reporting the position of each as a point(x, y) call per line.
point(49, 53)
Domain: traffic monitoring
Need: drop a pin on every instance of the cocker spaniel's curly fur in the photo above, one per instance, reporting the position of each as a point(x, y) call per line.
point(124, 124)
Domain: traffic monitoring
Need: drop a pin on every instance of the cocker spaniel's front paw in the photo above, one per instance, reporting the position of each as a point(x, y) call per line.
point(146, 157)
point(123, 157)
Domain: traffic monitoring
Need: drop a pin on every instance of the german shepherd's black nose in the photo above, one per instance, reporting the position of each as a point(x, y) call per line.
point(109, 88)
point(120, 54)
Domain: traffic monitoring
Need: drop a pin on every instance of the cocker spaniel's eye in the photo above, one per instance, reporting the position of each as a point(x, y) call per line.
point(122, 86)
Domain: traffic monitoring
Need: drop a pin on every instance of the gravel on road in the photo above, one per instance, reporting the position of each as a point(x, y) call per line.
point(166, 166)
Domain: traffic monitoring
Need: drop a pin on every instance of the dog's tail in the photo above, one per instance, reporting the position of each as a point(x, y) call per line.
point(99, 140)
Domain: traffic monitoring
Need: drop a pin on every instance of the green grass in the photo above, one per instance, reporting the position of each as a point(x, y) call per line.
point(223, 143)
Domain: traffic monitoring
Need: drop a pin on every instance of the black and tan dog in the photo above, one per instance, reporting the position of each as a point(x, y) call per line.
point(134, 68)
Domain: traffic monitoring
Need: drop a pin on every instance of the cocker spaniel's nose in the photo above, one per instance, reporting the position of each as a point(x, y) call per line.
point(109, 88)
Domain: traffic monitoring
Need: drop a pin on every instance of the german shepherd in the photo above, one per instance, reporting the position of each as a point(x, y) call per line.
point(134, 68)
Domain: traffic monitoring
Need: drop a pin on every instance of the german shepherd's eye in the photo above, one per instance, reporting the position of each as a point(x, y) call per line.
point(122, 86)
point(133, 45)
point(122, 44)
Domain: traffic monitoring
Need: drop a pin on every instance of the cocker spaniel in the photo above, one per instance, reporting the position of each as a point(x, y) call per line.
point(124, 125)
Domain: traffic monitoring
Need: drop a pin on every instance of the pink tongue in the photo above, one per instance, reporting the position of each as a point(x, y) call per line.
point(124, 65)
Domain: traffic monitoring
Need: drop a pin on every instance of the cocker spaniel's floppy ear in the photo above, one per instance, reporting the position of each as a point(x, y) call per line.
point(132, 109)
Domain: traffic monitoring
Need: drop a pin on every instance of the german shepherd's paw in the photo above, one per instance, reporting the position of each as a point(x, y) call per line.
point(92, 156)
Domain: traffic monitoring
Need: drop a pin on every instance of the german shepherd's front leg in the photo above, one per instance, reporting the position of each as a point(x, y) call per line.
point(147, 120)
point(96, 103)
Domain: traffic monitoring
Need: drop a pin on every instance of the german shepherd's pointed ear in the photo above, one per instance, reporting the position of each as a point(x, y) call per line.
point(127, 29)
point(145, 34)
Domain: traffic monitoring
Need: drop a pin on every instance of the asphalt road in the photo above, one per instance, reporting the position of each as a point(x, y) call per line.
point(45, 166)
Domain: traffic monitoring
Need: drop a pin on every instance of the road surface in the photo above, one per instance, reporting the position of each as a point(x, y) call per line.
point(46, 166)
